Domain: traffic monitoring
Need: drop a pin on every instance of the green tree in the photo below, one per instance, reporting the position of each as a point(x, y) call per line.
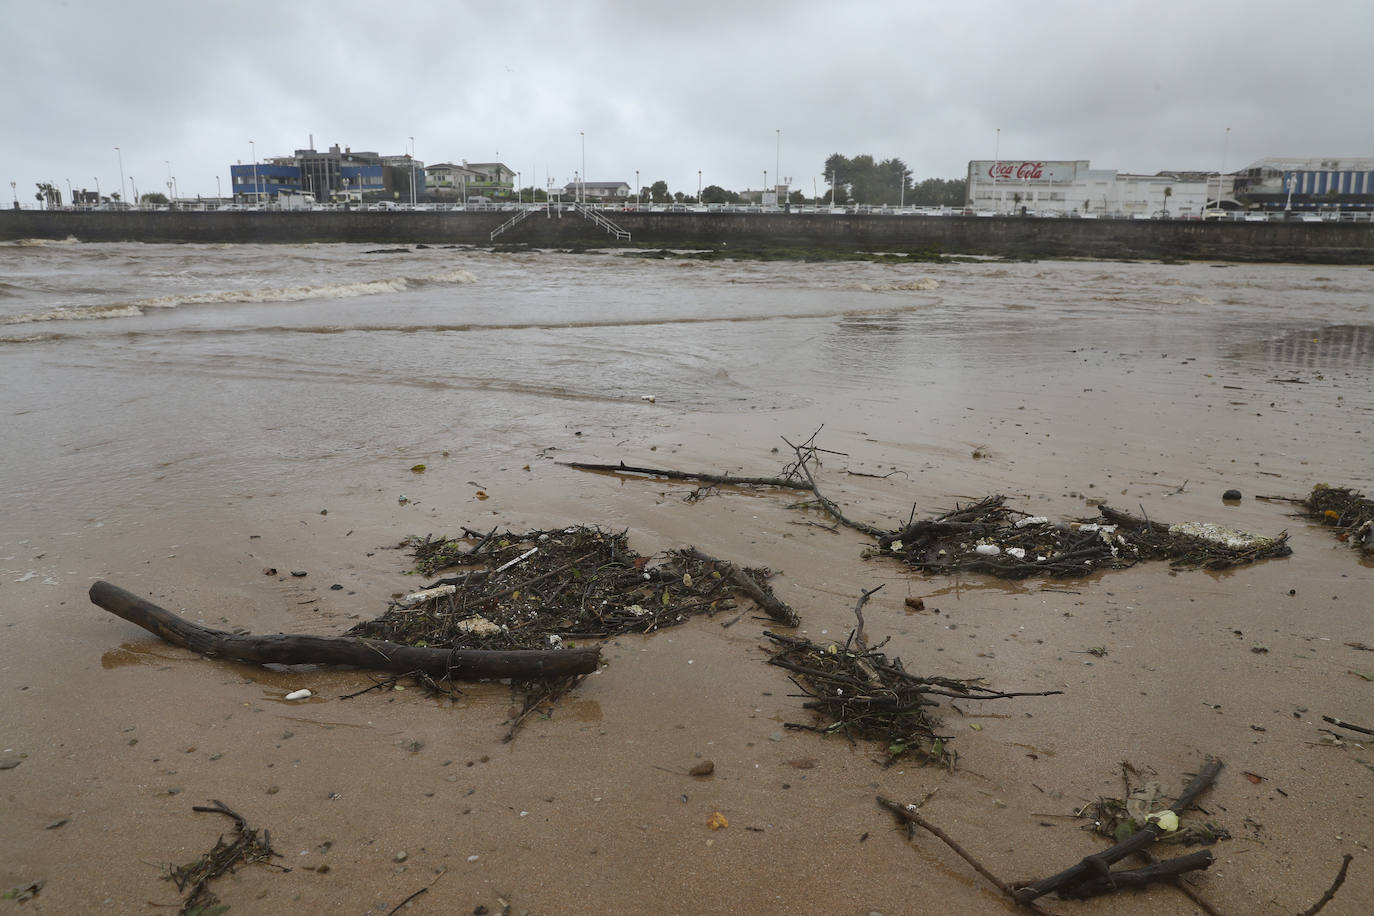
point(715, 194)
point(866, 180)
point(658, 192)
point(153, 197)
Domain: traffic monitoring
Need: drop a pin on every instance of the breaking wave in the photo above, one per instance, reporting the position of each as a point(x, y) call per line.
point(136, 307)
point(919, 284)
point(43, 243)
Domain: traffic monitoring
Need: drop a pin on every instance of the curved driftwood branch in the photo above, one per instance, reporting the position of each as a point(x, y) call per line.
point(669, 474)
point(375, 654)
point(774, 606)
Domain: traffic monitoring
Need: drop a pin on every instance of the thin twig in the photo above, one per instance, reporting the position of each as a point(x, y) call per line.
point(1331, 891)
point(909, 814)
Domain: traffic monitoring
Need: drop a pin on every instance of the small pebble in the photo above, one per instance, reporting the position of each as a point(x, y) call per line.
point(705, 768)
point(1231, 496)
point(400, 856)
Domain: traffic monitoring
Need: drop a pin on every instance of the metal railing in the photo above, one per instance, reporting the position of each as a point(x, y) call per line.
point(518, 217)
point(620, 234)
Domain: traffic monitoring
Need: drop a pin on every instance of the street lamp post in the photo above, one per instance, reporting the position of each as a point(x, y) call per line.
point(996, 158)
point(121, 171)
point(518, 190)
point(777, 161)
point(1225, 148)
point(698, 187)
point(901, 205)
point(133, 189)
point(15, 195)
point(583, 186)
point(218, 192)
point(412, 171)
point(765, 187)
point(254, 147)
point(638, 190)
point(97, 189)
point(70, 202)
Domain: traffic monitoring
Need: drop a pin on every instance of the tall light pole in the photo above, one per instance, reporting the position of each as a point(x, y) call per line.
point(777, 161)
point(901, 205)
point(97, 189)
point(15, 195)
point(765, 187)
point(638, 190)
point(517, 189)
point(121, 173)
point(412, 171)
point(169, 180)
point(218, 192)
point(70, 202)
point(254, 147)
point(698, 187)
point(996, 160)
point(1225, 148)
point(583, 186)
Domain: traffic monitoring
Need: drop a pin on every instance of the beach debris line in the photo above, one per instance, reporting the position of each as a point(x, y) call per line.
point(246, 848)
point(284, 649)
point(534, 589)
point(1349, 513)
point(537, 590)
point(988, 536)
point(1092, 876)
point(860, 693)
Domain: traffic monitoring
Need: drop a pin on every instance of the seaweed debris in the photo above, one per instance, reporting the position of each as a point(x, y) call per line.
point(1349, 513)
point(544, 589)
point(861, 694)
point(1119, 818)
point(246, 848)
point(988, 536)
point(536, 589)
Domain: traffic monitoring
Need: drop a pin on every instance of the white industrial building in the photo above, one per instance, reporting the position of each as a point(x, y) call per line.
point(1072, 187)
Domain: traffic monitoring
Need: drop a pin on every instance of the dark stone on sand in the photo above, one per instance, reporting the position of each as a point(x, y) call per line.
point(1231, 496)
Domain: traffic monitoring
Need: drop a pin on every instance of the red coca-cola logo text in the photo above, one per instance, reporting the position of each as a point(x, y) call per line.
point(1026, 171)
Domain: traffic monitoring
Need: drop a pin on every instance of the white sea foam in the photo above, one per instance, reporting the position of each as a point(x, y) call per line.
point(137, 307)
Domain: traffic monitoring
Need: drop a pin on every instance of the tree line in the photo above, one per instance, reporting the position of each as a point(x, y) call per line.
point(865, 180)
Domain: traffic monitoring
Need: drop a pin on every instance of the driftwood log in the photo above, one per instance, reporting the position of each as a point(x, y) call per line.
point(374, 654)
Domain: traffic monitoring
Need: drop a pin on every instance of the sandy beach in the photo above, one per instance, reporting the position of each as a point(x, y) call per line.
point(180, 419)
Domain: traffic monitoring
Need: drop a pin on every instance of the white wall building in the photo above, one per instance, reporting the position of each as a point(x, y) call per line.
point(1061, 187)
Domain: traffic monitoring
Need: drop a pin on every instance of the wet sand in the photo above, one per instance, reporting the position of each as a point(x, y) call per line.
point(589, 810)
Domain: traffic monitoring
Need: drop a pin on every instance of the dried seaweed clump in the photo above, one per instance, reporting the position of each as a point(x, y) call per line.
point(1116, 818)
point(534, 590)
point(1350, 513)
point(989, 537)
point(861, 694)
point(246, 847)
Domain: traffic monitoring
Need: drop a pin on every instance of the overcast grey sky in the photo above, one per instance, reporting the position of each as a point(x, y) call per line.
point(670, 88)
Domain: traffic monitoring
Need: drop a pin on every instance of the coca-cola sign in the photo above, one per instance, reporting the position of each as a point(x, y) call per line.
point(1019, 171)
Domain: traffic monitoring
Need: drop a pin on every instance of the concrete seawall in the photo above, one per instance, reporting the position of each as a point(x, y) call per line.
point(1009, 236)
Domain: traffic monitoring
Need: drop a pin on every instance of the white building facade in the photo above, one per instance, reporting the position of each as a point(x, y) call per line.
point(1072, 187)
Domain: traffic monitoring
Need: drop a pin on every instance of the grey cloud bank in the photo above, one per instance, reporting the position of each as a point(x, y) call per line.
point(670, 89)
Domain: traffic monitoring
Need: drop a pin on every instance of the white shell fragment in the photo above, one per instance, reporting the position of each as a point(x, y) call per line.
point(987, 550)
point(477, 626)
point(424, 595)
point(1032, 520)
point(301, 694)
point(1016, 552)
point(1166, 821)
point(1220, 535)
